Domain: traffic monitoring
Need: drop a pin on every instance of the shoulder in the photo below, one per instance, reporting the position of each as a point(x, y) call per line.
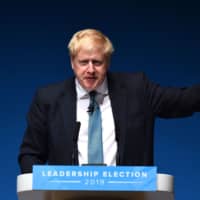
point(53, 91)
point(127, 77)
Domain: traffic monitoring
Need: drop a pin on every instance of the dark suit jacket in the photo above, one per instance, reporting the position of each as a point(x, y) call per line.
point(51, 134)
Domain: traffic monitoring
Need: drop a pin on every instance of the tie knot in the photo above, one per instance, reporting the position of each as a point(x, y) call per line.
point(92, 94)
point(93, 104)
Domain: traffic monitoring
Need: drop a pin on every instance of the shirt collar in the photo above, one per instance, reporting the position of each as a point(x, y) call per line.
point(82, 93)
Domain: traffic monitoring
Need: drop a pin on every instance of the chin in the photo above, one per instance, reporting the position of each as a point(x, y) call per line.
point(90, 88)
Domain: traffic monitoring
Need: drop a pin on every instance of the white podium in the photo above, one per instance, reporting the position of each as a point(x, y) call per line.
point(164, 191)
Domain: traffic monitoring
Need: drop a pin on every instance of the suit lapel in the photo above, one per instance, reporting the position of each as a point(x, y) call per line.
point(118, 96)
point(69, 116)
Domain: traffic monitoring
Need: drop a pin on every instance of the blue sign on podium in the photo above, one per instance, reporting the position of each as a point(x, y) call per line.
point(94, 178)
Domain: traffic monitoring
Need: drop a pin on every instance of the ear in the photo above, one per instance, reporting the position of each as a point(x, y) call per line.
point(72, 63)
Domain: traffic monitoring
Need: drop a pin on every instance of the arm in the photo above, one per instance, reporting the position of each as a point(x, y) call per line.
point(170, 102)
point(33, 149)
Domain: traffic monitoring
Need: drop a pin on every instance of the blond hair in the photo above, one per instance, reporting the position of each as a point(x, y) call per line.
point(92, 35)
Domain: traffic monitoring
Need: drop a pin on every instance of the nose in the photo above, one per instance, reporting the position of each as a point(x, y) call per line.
point(90, 67)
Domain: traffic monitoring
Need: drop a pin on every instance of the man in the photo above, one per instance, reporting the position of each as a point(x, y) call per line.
point(128, 103)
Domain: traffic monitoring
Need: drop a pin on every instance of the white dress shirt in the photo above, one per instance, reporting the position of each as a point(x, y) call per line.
point(108, 127)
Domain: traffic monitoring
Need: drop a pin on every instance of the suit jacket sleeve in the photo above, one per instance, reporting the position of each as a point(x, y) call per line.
point(171, 102)
point(34, 146)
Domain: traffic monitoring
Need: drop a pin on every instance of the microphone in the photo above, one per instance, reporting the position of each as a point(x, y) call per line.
point(75, 139)
point(76, 131)
point(117, 136)
point(90, 108)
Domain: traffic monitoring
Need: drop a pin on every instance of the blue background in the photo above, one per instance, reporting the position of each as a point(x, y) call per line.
point(161, 38)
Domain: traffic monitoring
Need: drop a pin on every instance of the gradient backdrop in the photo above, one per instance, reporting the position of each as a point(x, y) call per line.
point(161, 38)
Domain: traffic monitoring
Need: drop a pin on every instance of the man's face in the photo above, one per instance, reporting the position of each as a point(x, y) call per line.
point(90, 66)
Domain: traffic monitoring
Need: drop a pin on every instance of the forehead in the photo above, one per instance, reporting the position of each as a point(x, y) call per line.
point(90, 45)
point(86, 51)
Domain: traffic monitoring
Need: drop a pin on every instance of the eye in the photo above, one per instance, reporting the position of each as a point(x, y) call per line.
point(83, 62)
point(97, 62)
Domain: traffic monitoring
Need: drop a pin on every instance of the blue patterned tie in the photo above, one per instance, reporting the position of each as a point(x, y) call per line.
point(95, 146)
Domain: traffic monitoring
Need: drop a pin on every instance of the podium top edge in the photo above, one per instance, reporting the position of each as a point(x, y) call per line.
point(165, 182)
